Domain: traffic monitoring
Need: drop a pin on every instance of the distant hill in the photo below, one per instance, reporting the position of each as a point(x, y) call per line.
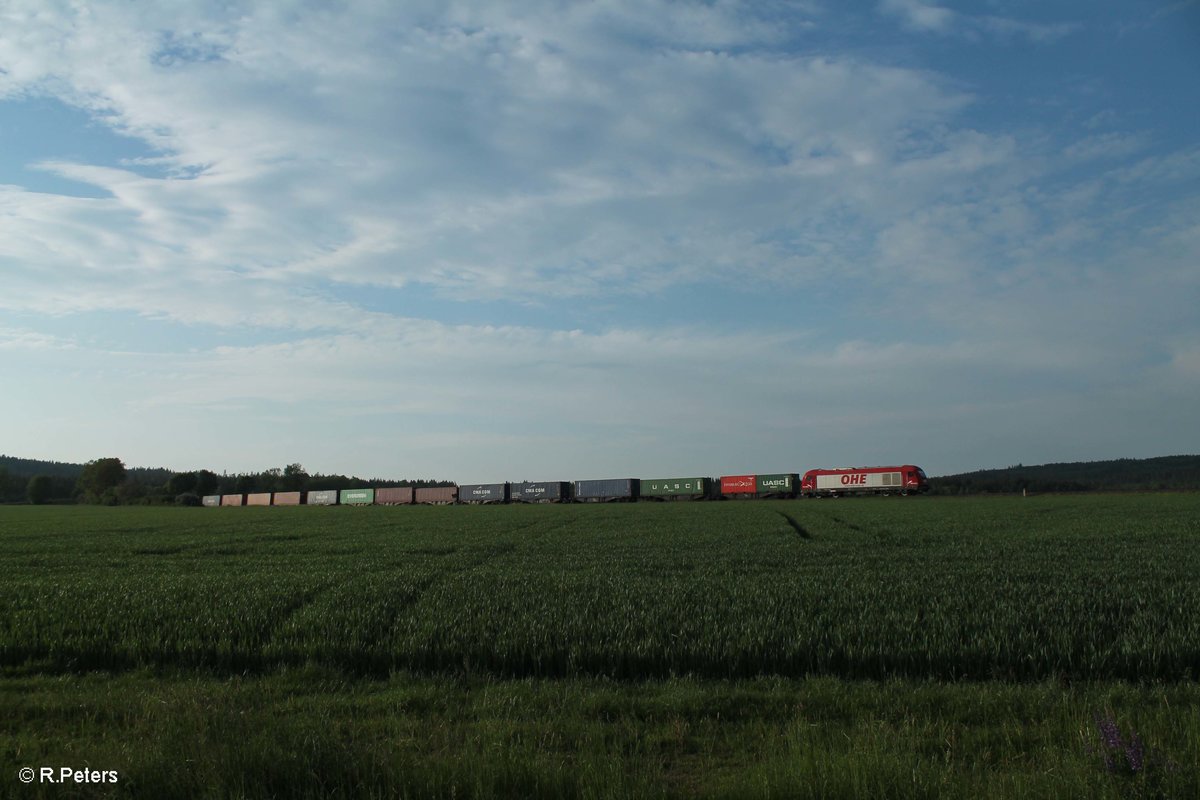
point(28, 467)
point(16, 472)
point(1166, 473)
point(149, 484)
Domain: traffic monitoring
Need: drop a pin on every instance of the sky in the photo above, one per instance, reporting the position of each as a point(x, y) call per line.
point(557, 240)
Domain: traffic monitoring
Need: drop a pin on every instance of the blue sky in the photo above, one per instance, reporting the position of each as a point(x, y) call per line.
point(555, 240)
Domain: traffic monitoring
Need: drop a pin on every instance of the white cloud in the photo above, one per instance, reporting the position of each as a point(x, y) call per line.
point(567, 154)
point(926, 17)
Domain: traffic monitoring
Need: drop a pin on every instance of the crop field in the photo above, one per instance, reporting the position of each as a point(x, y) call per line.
point(906, 647)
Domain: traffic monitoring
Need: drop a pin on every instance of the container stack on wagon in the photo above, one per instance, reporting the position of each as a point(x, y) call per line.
point(435, 495)
point(483, 493)
point(541, 492)
point(679, 489)
point(394, 496)
point(607, 490)
point(323, 497)
point(356, 497)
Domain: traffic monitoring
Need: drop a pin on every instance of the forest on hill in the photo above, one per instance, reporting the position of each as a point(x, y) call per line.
point(1165, 473)
point(109, 482)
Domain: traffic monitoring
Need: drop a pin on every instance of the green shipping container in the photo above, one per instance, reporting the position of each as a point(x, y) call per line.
point(778, 484)
point(357, 497)
point(675, 487)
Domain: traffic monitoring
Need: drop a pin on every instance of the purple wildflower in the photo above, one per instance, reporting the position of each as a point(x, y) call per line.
point(1110, 741)
point(1135, 754)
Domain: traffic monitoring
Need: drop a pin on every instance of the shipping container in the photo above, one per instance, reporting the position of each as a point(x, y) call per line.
point(677, 488)
point(394, 496)
point(435, 495)
point(540, 492)
point(233, 499)
point(483, 493)
point(211, 500)
point(739, 485)
point(356, 497)
point(287, 498)
point(258, 499)
point(784, 485)
point(607, 489)
point(324, 497)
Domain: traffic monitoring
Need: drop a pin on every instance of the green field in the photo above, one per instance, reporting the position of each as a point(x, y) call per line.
point(906, 647)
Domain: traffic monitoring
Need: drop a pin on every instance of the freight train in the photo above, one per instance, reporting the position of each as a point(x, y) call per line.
point(902, 480)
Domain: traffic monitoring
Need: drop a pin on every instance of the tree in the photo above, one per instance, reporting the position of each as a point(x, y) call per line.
point(101, 477)
point(181, 482)
point(294, 478)
point(40, 489)
point(206, 482)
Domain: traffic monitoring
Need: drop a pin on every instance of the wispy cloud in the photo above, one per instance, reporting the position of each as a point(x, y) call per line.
point(929, 17)
point(301, 166)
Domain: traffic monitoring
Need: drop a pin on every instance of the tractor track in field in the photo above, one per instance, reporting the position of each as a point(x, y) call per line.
point(796, 526)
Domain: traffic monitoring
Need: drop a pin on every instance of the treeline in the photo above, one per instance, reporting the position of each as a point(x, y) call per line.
point(106, 481)
point(1166, 473)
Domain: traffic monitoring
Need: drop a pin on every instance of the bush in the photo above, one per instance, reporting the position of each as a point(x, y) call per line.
point(40, 489)
point(187, 499)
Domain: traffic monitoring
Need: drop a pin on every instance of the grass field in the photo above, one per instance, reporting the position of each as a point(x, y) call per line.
point(903, 647)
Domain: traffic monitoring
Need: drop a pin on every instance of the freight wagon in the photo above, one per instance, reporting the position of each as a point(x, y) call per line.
point(356, 497)
point(480, 493)
point(394, 496)
point(785, 485)
point(904, 479)
point(678, 489)
point(607, 490)
point(435, 495)
point(323, 497)
point(211, 500)
point(540, 492)
point(287, 498)
point(740, 487)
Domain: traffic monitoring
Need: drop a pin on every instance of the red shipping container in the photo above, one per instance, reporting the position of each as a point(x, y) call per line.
point(286, 499)
point(739, 484)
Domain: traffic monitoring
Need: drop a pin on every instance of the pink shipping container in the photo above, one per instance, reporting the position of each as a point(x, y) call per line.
point(394, 496)
point(286, 499)
point(436, 494)
point(233, 500)
point(258, 499)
